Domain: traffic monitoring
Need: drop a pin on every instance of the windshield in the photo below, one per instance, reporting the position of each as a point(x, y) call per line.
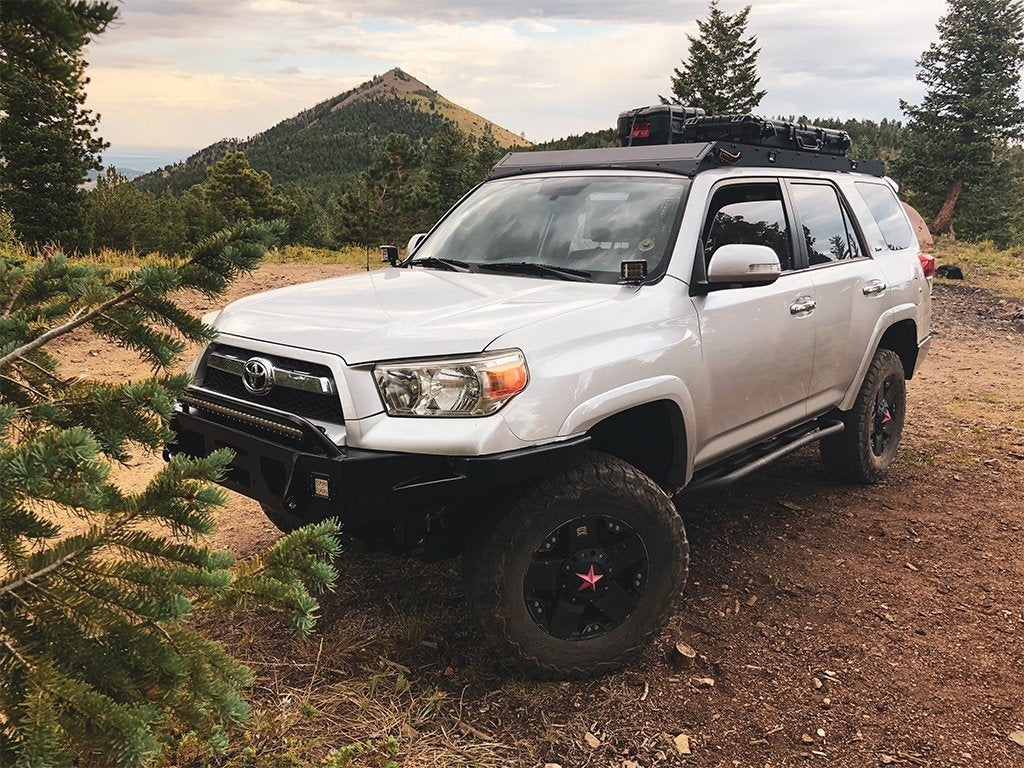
point(588, 224)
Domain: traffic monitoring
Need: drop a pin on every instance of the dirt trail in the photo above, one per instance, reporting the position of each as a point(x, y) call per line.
point(888, 618)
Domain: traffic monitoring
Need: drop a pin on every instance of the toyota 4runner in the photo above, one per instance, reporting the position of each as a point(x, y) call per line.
point(580, 338)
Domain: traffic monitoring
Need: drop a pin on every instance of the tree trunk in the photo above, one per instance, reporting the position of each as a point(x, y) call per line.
point(943, 224)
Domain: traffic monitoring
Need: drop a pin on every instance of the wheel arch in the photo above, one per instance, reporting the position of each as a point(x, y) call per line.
point(651, 437)
point(901, 338)
point(894, 331)
point(662, 404)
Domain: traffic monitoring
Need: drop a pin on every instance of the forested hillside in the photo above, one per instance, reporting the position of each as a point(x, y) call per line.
point(321, 146)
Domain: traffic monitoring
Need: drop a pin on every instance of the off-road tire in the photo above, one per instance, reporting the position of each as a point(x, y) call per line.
point(285, 522)
point(495, 563)
point(849, 454)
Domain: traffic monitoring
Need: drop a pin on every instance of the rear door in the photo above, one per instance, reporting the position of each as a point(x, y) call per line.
point(757, 342)
point(850, 288)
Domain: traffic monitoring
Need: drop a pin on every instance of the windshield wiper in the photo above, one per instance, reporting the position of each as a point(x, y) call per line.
point(453, 265)
point(530, 267)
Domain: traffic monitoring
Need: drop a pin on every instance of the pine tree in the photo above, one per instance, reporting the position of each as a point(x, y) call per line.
point(120, 215)
point(241, 193)
point(384, 204)
point(488, 152)
point(447, 168)
point(971, 106)
point(720, 71)
point(97, 583)
point(49, 138)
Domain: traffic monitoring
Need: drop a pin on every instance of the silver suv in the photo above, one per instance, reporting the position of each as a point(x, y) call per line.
point(582, 337)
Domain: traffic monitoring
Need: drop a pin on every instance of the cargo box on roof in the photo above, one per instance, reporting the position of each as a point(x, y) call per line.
point(660, 124)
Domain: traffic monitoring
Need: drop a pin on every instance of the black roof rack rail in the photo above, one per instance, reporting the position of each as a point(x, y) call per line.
point(683, 159)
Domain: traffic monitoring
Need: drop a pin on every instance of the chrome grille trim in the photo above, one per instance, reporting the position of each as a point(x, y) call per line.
point(305, 382)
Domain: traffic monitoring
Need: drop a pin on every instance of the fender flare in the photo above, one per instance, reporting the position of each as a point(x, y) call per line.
point(888, 319)
point(599, 407)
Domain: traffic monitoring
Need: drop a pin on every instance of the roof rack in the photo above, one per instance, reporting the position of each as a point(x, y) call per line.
point(686, 159)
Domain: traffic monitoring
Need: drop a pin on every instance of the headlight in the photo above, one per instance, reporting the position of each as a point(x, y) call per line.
point(469, 386)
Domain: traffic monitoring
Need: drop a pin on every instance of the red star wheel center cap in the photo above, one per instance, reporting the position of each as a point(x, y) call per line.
point(886, 417)
point(589, 580)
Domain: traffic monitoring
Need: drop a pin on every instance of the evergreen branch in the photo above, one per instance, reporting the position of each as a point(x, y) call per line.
point(15, 294)
point(69, 326)
point(14, 653)
point(23, 385)
point(43, 371)
point(12, 586)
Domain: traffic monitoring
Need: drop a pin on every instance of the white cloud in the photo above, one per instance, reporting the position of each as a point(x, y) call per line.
point(154, 107)
point(193, 71)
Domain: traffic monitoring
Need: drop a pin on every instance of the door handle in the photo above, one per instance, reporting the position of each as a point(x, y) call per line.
point(873, 287)
point(803, 306)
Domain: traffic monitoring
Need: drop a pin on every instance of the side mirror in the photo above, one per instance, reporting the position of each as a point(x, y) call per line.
point(389, 254)
point(744, 263)
point(414, 242)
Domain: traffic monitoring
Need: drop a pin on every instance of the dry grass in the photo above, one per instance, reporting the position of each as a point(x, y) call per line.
point(353, 256)
point(341, 700)
point(985, 266)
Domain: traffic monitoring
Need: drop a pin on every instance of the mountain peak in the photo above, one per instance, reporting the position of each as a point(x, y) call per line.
point(396, 83)
point(326, 142)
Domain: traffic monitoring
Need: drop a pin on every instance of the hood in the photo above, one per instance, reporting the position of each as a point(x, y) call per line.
point(398, 312)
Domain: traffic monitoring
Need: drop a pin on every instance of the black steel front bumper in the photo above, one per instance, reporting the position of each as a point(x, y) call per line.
point(289, 464)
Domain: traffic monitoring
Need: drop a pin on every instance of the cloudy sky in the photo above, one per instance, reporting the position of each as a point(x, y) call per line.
point(176, 75)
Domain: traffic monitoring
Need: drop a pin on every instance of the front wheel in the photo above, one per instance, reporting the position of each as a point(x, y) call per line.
point(866, 448)
point(581, 572)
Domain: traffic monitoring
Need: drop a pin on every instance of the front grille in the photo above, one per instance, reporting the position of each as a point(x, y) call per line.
point(308, 405)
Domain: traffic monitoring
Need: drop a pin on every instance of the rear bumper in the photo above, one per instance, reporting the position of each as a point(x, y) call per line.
point(288, 464)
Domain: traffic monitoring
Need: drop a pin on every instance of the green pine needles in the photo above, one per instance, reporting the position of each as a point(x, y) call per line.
point(98, 660)
point(719, 73)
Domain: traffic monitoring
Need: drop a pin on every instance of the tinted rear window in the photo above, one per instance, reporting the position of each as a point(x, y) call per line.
point(888, 215)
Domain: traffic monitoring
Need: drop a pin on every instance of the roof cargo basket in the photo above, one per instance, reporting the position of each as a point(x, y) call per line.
point(661, 124)
point(759, 131)
point(668, 124)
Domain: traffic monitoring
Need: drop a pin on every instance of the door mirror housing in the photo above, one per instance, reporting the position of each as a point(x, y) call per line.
point(744, 263)
point(414, 242)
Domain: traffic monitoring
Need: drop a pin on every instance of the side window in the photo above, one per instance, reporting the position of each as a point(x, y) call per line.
point(827, 230)
point(888, 214)
point(748, 213)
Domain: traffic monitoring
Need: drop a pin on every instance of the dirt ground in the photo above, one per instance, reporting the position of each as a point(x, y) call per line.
point(840, 625)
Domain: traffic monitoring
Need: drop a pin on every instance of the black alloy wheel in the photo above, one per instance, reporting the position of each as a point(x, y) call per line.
point(579, 571)
point(887, 412)
point(586, 578)
point(866, 448)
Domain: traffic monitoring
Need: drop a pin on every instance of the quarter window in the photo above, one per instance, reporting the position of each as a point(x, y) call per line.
point(827, 230)
point(752, 214)
point(888, 214)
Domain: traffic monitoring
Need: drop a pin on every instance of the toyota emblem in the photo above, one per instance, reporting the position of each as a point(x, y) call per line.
point(258, 376)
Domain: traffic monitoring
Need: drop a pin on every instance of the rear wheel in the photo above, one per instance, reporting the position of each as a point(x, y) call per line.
point(581, 572)
point(866, 448)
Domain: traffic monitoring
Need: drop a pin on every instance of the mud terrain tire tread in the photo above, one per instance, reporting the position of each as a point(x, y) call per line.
point(488, 559)
point(848, 455)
